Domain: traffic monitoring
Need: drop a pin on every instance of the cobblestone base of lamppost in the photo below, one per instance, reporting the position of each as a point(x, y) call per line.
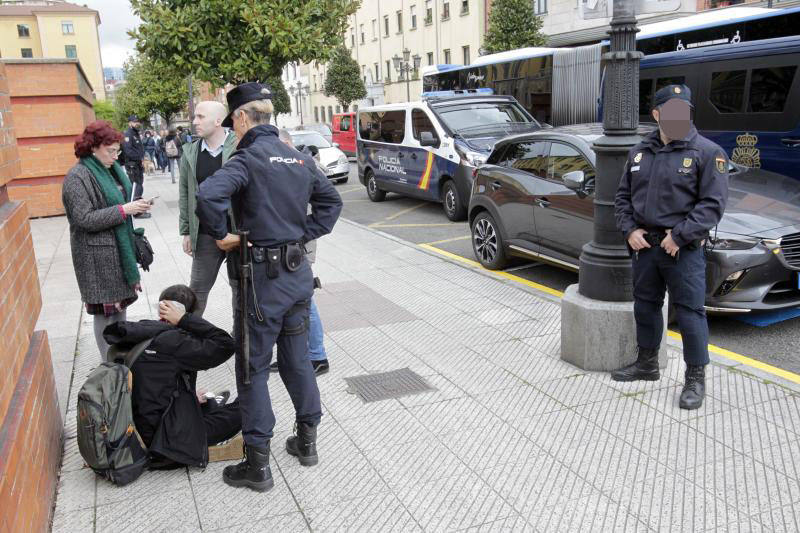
point(600, 336)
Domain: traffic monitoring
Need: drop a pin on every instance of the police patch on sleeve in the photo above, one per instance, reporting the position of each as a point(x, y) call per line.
point(637, 158)
point(721, 163)
point(127, 139)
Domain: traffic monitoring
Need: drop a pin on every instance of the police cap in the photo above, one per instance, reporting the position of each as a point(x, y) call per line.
point(244, 93)
point(133, 118)
point(681, 92)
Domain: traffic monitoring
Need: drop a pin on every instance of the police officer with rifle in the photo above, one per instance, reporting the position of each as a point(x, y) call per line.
point(269, 186)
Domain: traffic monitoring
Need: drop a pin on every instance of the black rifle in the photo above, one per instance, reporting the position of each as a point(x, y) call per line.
point(245, 279)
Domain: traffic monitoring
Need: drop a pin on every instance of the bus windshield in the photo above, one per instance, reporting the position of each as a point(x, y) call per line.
point(477, 118)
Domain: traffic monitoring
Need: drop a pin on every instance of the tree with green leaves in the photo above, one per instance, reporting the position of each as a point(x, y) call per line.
point(104, 110)
point(343, 80)
point(513, 24)
point(235, 41)
point(149, 88)
point(280, 98)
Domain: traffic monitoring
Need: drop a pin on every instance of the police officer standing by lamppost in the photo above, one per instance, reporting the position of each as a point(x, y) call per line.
point(133, 154)
point(270, 185)
point(673, 191)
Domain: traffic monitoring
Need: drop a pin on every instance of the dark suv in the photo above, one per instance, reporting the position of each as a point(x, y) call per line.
point(534, 199)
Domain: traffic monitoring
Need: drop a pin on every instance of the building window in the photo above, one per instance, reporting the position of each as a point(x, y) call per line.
point(445, 10)
point(316, 114)
point(428, 13)
point(23, 30)
point(386, 26)
point(464, 7)
point(330, 112)
point(361, 31)
point(399, 22)
point(352, 40)
point(465, 51)
point(338, 109)
point(388, 71)
point(315, 82)
point(447, 56)
point(71, 51)
point(67, 28)
point(413, 17)
point(377, 72)
point(322, 113)
point(430, 58)
point(374, 29)
point(26, 52)
point(364, 73)
point(355, 108)
point(540, 7)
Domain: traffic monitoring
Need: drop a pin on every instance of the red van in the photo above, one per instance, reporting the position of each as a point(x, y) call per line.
point(344, 132)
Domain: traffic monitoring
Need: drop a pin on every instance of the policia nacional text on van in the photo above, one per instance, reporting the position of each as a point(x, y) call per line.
point(270, 187)
point(673, 191)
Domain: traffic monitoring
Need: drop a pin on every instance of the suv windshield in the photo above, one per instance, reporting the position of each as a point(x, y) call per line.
point(477, 119)
point(308, 138)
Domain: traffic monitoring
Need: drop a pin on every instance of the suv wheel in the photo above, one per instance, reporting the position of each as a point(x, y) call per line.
point(374, 193)
point(454, 207)
point(487, 244)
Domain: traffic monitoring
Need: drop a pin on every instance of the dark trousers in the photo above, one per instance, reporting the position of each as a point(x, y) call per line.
point(222, 423)
point(136, 175)
point(654, 270)
point(278, 301)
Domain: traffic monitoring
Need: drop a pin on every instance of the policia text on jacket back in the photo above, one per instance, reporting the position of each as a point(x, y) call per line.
point(673, 191)
point(270, 187)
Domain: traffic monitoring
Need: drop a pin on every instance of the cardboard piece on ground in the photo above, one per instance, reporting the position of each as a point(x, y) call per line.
point(229, 450)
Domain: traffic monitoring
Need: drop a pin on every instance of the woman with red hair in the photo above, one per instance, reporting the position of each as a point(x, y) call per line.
point(94, 193)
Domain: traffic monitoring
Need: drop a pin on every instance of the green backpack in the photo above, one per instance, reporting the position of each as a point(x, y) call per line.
point(107, 438)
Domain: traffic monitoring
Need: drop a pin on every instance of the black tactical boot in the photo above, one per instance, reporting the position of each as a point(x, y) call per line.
point(644, 369)
point(253, 472)
point(694, 390)
point(304, 444)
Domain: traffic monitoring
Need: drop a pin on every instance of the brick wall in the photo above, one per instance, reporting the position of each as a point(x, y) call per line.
point(52, 104)
point(30, 421)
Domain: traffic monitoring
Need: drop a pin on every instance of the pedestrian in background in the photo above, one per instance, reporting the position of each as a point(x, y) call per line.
point(173, 149)
point(200, 160)
point(161, 155)
point(150, 147)
point(673, 191)
point(94, 194)
point(132, 155)
point(316, 333)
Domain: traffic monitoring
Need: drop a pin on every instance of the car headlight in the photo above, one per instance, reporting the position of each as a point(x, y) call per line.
point(730, 241)
point(473, 158)
point(342, 159)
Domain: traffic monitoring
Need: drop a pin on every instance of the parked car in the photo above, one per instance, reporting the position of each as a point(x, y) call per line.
point(321, 128)
point(534, 199)
point(331, 159)
point(344, 132)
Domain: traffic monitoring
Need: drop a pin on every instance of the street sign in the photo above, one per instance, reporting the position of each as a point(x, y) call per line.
point(600, 9)
point(595, 9)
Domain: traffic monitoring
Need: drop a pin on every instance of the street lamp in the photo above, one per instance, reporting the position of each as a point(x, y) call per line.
point(404, 67)
point(299, 91)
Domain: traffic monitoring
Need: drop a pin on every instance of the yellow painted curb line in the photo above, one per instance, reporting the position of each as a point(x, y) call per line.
point(743, 359)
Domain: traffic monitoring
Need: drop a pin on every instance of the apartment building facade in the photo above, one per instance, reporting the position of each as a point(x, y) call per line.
point(434, 31)
point(53, 29)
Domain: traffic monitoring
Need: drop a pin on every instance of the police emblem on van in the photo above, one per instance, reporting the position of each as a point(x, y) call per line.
point(746, 152)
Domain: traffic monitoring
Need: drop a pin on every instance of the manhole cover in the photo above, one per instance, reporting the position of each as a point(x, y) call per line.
point(387, 385)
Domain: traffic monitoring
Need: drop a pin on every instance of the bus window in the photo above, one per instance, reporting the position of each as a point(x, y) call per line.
point(671, 80)
point(727, 90)
point(645, 96)
point(769, 89)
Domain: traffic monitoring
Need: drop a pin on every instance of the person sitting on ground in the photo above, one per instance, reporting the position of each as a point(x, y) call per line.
point(172, 422)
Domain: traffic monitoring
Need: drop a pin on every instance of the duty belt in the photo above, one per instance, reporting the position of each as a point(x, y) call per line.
point(290, 254)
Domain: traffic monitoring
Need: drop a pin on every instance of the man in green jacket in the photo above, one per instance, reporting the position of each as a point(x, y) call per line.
point(201, 158)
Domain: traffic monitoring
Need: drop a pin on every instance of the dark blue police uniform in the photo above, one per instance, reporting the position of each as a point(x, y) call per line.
point(133, 154)
point(681, 187)
point(270, 185)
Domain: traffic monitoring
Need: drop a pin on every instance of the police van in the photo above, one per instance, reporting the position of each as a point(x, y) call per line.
point(431, 148)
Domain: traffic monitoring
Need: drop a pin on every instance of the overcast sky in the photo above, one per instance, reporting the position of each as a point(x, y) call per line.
point(116, 18)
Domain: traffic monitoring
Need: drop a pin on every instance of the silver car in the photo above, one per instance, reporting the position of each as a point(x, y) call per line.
point(332, 161)
point(534, 199)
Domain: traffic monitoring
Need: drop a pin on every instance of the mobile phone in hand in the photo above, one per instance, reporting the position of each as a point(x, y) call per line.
point(152, 200)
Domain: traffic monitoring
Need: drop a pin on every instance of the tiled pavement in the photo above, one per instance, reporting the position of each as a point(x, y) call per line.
point(513, 440)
